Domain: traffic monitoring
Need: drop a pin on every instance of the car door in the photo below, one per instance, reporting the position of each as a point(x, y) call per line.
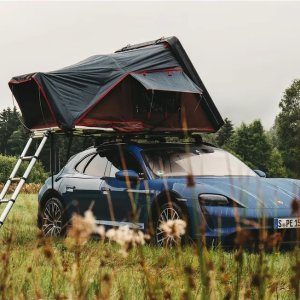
point(128, 198)
point(83, 189)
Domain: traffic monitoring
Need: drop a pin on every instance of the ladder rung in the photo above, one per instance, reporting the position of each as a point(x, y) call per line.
point(39, 134)
point(5, 200)
point(28, 157)
point(16, 179)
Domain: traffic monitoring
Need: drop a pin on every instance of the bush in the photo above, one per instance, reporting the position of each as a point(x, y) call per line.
point(7, 163)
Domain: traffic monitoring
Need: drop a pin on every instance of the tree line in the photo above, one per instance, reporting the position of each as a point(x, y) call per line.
point(275, 151)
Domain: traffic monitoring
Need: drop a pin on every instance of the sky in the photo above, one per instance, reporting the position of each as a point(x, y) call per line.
point(246, 53)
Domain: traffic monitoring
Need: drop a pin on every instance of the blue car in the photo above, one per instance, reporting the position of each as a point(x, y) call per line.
point(144, 184)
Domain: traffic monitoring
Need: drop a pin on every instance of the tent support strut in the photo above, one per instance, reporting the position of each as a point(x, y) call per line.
point(52, 158)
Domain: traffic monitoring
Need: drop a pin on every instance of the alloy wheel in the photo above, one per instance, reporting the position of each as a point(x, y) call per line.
point(162, 237)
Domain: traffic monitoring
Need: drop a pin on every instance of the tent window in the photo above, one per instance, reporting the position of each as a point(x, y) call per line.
point(157, 102)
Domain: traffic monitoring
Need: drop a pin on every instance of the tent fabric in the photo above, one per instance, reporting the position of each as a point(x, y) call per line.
point(130, 107)
point(167, 81)
point(65, 97)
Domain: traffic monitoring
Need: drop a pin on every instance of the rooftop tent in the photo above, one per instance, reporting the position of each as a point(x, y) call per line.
point(145, 87)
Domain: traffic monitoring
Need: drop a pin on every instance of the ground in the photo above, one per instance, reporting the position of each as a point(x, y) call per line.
point(36, 268)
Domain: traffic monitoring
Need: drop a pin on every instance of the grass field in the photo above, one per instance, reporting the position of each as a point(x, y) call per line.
point(35, 268)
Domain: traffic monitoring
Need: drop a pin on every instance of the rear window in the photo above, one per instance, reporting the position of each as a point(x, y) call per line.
point(92, 165)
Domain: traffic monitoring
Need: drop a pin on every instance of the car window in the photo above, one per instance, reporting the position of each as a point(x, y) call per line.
point(199, 161)
point(129, 163)
point(113, 171)
point(93, 165)
point(80, 167)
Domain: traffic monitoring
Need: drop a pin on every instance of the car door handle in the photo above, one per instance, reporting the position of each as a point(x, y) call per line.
point(70, 188)
point(105, 190)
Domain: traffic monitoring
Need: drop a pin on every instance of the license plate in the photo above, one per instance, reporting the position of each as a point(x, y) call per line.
point(287, 223)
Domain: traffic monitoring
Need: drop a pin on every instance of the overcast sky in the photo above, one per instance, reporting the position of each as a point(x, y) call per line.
point(246, 53)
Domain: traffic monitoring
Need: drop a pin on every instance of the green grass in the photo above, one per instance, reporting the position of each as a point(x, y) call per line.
point(34, 268)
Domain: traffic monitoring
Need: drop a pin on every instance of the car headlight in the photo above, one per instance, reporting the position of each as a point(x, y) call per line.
point(213, 200)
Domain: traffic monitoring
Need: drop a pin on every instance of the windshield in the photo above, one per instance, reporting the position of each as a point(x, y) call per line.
point(198, 161)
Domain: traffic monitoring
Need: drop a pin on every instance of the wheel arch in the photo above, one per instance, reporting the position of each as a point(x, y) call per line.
point(51, 193)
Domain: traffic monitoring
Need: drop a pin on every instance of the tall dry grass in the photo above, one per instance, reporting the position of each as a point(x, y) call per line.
point(35, 267)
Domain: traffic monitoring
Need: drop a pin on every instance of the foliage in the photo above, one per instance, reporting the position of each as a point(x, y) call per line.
point(16, 142)
point(276, 165)
point(9, 123)
point(287, 127)
point(7, 163)
point(225, 132)
point(250, 142)
point(210, 138)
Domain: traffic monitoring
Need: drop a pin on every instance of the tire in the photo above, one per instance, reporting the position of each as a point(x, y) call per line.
point(52, 218)
point(168, 211)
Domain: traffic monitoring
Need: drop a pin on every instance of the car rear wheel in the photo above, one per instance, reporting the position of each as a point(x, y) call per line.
point(168, 212)
point(53, 218)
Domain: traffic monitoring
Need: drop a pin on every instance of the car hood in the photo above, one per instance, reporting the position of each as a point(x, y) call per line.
point(247, 191)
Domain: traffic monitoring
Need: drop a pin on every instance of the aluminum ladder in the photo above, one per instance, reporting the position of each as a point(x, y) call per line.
point(21, 180)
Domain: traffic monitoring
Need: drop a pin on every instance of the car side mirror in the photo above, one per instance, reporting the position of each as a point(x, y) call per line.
point(213, 199)
point(127, 174)
point(260, 173)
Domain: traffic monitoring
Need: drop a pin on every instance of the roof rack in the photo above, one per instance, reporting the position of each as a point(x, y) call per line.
point(146, 138)
point(141, 45)
point(111, 133)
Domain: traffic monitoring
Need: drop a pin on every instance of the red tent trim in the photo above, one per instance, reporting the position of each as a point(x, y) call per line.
point(13, 81)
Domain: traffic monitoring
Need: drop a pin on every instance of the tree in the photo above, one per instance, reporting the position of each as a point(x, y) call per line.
point(209, 138)
point(9, 122)
point(276, 165)
point(287, 126)
point(250, 142)
point(16, 142)
point(224, 133)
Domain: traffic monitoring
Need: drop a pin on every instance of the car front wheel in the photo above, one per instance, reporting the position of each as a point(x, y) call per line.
point(168, 212)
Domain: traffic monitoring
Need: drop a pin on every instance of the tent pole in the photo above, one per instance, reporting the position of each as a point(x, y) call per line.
point(69, 146)
point(52, 158)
